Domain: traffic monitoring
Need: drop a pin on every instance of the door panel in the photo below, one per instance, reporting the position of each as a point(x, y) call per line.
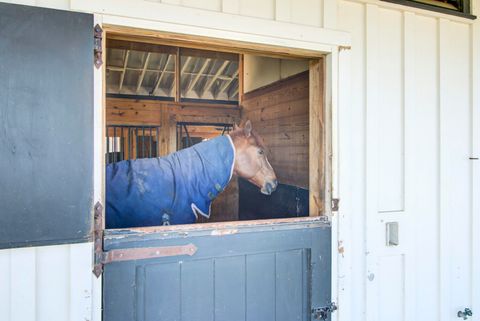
point(270, 272)
point(46, 121)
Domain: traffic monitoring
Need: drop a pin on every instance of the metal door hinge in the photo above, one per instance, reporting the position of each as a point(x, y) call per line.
point(323, 312)
point(98, 239)
point(335, 202)
point(97, 46)
point(101, 257)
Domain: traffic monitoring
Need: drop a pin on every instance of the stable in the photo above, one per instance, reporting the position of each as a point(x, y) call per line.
point(373, 145)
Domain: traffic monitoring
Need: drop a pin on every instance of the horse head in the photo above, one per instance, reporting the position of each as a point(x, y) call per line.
point(251, 160)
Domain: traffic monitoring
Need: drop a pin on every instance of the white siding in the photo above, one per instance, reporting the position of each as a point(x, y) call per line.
point(305, 12)
point(47, 283)
point(410, 111)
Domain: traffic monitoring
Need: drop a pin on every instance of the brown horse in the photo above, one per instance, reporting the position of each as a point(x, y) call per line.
point(251, 160)
point(175, 189)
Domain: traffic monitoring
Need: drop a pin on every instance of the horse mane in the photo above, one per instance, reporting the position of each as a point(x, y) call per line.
point(238, 133)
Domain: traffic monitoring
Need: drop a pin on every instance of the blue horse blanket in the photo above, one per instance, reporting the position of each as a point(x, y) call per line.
point(169, 190)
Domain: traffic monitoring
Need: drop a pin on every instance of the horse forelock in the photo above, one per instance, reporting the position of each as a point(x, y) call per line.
point(254, 137)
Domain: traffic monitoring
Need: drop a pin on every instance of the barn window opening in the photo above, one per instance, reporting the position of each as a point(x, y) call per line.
point(165, 99)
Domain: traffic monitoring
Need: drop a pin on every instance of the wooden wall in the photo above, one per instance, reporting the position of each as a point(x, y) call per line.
point(122, 111)
point(280, 113)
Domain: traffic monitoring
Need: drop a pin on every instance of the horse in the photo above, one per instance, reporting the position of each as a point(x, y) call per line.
point(175, 189)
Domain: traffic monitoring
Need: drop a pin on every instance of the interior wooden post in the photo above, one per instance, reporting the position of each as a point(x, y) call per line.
point(240, 79)
point(167, 139)
point(316, 138)
point(178, 80)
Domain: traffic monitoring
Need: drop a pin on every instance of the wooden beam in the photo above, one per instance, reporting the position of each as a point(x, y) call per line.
point(227, 83)
point(241, 86)
point(122, 76)
point(178, 79)
point(142, 74)
point(317, 155)
point(139, 46)
point(192, 84)
point(214, 44)
point(234, 92)
point(215, 77)
point(162, 74)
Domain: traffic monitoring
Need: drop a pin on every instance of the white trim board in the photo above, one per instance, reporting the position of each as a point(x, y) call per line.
point(167, 18)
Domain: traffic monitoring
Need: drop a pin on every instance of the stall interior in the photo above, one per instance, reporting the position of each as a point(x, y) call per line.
point(161, 99)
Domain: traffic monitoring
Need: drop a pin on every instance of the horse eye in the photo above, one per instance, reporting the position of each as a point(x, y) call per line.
point(260, 151)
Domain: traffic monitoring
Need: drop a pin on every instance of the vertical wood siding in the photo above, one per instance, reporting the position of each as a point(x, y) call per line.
point(411, 110)
point(47, 283)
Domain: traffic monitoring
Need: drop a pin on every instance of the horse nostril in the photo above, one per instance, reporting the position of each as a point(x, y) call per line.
point(269, 188)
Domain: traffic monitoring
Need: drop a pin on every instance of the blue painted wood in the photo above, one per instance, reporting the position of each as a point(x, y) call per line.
point(289, 289)
point(260, 287)
point(162, 292)
point(261, 273)
point(197, 279)
point(230, 288)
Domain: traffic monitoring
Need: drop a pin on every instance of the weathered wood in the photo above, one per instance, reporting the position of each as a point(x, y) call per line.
point(139, 46)
point(122, 111)
point(222, 45)
point(178, 80)
point(317, 146)
point(241, 78)
point(280, 113)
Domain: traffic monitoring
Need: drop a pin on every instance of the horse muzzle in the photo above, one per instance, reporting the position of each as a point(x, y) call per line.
point(269, 187)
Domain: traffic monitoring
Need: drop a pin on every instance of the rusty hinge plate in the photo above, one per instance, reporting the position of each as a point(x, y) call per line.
point(147, 253)
point(335, 204)
point(97, 46)
point(98, 239)
point(101, 258)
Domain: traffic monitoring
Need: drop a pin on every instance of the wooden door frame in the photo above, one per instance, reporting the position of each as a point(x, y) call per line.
point(327, 62)
point(319, 162)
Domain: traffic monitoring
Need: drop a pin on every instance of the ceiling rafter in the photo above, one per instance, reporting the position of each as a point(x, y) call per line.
point(215, 77)
point(227, 83)
point(142, 75)
point(235, 91)
point(162, 74)
point(202, 77)
point(197, 77)
point(122, 76)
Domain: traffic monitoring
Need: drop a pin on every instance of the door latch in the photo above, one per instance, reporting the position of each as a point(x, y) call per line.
point(335, 204)
point(323, 312)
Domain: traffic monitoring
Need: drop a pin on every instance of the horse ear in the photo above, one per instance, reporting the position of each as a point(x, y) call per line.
point(235, 126)
point(247, 129)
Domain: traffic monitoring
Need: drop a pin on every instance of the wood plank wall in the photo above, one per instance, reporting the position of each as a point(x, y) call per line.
point(123, 111)
point(280, 114)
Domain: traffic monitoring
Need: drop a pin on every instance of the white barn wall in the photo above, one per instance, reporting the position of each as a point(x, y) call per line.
point(47, 283)
point(411, 112)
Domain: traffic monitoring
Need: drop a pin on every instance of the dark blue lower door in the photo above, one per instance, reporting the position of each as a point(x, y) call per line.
point(267, 271)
